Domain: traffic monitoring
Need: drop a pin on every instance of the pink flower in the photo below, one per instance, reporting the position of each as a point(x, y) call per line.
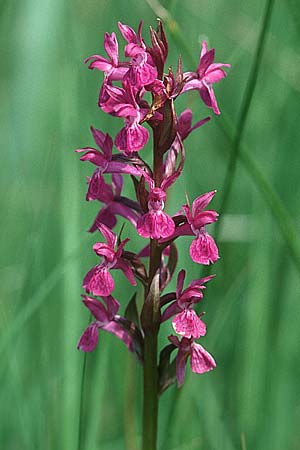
point(121, 102)
point(185, 123)
point(106, 320)
point(96, 185)
point(112, 68)
point(142, 71)
point(105, 160)
point(115, 204)
point(203, 249)
point(98, 280)
point(156, 224)
point(186, 322)
point(207, 73)
point(200, 360)
point(184, 128)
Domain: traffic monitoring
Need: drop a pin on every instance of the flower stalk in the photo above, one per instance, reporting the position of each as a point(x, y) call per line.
point(122, 95)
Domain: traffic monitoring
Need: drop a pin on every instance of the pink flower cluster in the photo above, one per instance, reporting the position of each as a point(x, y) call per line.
point(127, 86)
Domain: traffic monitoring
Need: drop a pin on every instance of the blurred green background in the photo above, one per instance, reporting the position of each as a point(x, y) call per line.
point(48, 101)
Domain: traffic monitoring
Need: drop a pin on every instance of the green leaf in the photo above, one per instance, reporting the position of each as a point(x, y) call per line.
point(150, 316)
point(170, 267)
point(138, 267)
point(166, 369)
point(131, 311)
point(135, 333)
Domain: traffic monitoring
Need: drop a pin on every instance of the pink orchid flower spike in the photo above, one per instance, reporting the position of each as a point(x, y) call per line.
point(206, 75)
point(98, 280)
point(105, 320)
point(200, 360)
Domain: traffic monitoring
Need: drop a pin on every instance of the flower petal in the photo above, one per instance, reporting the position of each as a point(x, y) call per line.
point(104, 141)
point(155, 225)
point(96, 185)
point(92, 155)
point(214, 76)
point(203, 249)
point(202, 202)
point(102, 249)
point(111, 47)
point(201, 360)
point(97, 309)
point(89, 338)
point(205, 61)
point(128, 33)
point(127, 270)
point(99, 281)
point(205, 218)
point(131, 138)
point(109, 236)
point(112, 306)
point(170, 311)
point(180, 281)
point(181, 360)
point(105, 216)
point(189, 325)
point(119, 331)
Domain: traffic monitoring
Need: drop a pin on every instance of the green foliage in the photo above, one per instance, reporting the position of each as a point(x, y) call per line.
point(48, 101)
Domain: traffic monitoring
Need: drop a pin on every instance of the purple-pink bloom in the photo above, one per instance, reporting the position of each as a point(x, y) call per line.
point(105, 319)
point(156, 224)
point(142, 71)
point(200, 360)
point(186, 322)
point(105, 160)
point(96, 185)
point(184, 128)
point(112, 68)
point(115, 204)
point(203, 249)
point(121, 102)
point(98, 280)
point(207, 73)
point(184, 123)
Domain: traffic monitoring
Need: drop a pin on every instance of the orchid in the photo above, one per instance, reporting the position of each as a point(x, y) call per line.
point(122, 102)
point(115, 204)
point(142, 70)
point(105, 160)
point(186, 322)
point(155, 223)
point(111, 67)
point(106, 319)
point(98, 280)
point(206, 75)
point(137, 90)
point(201, 361)
point(203, 249)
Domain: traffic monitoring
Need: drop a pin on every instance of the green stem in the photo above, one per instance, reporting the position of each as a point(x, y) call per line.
point(80, 418)
point(150, 406)
point(150, 411)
